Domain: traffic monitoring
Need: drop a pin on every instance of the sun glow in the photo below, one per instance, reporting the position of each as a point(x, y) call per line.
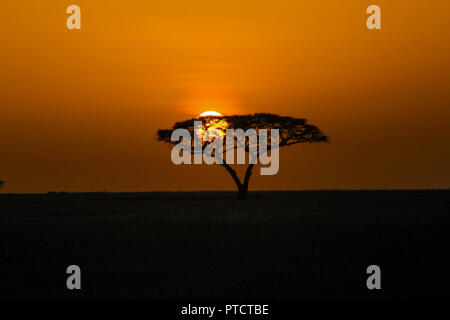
point(218, 124)
point(210, 113)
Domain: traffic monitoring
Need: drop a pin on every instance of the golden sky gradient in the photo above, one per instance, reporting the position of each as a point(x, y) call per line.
point(79, 109)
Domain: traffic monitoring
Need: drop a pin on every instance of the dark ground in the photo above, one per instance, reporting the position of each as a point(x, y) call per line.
point(275, 245)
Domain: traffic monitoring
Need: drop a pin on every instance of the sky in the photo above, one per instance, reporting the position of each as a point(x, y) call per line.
point(79, 109)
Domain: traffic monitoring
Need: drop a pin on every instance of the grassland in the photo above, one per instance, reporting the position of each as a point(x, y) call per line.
point(274, 245)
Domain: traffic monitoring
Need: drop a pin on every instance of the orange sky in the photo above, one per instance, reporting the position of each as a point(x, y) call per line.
point(79, 110)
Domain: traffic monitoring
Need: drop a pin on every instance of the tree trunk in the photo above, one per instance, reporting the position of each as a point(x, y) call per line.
point(242, 187)
point(242, 194)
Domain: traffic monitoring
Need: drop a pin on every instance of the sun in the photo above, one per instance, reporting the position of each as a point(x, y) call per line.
point(210, 113)
point(213, 123)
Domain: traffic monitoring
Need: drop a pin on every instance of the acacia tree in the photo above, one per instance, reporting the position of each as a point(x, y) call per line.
point(2, 183)
point(291, 131)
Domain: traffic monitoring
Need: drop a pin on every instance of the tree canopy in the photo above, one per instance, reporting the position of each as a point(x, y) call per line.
point(292, 130)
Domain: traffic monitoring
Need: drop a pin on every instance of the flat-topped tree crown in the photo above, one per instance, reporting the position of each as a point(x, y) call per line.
point(291, 131)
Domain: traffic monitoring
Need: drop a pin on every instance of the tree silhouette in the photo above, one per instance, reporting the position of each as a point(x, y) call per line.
point(2, 183)
point(291, 131)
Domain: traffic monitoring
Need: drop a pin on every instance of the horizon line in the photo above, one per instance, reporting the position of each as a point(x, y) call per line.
point(223, 191)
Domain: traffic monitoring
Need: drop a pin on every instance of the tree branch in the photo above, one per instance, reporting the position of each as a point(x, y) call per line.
point(248, 174)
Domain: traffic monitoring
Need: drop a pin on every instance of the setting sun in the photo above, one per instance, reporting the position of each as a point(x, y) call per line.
point(210, 113)
point(219, 124)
